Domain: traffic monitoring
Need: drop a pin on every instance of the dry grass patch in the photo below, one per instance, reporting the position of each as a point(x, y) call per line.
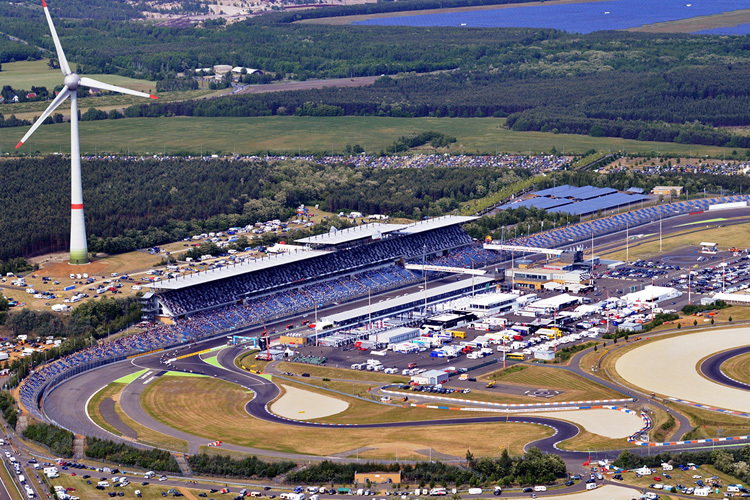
point(183, 403)
point(738, 368)
point(711, 424)
point(586, 440)
point(340, 373)
point(149, 436)
point(573, 387)
point(700, 23)
point(512, 436)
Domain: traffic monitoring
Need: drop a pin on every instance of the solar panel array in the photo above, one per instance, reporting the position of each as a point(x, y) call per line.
point(574, 200)
point(539, 202)
point(554, 191)
point(602, 203)
point(588, 192)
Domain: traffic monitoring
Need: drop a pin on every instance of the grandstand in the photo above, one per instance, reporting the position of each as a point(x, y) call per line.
point(347, 253)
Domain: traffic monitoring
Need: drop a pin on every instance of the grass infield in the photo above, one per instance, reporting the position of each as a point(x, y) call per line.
point(738, 368)
point(172, 401)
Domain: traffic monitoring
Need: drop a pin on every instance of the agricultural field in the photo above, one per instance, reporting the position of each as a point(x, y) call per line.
point(24, 74)
point(325, 135)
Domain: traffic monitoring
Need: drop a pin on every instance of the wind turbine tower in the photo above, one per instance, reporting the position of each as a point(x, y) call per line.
point(78, 245)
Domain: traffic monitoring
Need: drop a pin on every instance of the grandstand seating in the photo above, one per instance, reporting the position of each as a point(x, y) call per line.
point(231, 290)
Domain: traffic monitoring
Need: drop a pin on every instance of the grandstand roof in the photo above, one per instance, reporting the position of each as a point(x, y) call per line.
point(245, 267)
point(436, 223)
point(351, 234)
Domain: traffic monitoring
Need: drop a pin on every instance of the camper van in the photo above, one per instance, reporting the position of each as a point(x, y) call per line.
point(643, 471)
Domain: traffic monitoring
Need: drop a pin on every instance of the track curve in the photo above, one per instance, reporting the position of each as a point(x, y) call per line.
point(711, 368)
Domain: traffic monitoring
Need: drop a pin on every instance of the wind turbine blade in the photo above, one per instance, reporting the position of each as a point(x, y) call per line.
point(60, 54)
point(90, 82)
point(54, 104)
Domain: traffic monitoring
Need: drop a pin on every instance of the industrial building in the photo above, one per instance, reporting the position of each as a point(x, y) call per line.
point(652, 294)
point(430, 377)
point(734, 299)
point(535, 279)
point(491, 303)
point(395, 336)
point(667, 190)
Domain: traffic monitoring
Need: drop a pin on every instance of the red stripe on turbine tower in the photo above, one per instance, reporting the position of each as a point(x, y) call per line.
point(76, 206)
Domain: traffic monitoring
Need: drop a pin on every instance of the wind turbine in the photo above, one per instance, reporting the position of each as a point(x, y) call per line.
point(78, 245)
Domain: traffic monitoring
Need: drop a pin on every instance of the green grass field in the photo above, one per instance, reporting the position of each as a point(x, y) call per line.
point(24, 74)
point(291, 134)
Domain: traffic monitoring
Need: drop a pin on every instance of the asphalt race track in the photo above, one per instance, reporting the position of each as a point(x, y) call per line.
point(66, 404)
point(711, 368)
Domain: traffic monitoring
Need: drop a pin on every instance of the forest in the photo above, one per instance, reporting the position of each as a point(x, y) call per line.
point(137, 204)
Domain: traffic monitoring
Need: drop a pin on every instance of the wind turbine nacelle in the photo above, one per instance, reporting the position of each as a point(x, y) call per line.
point(72, 81)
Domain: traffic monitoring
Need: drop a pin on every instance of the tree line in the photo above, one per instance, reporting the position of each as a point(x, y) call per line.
point(121, 453)
point(60, 442)
point(224, 465)
point(534, 467)
point(138, 204)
